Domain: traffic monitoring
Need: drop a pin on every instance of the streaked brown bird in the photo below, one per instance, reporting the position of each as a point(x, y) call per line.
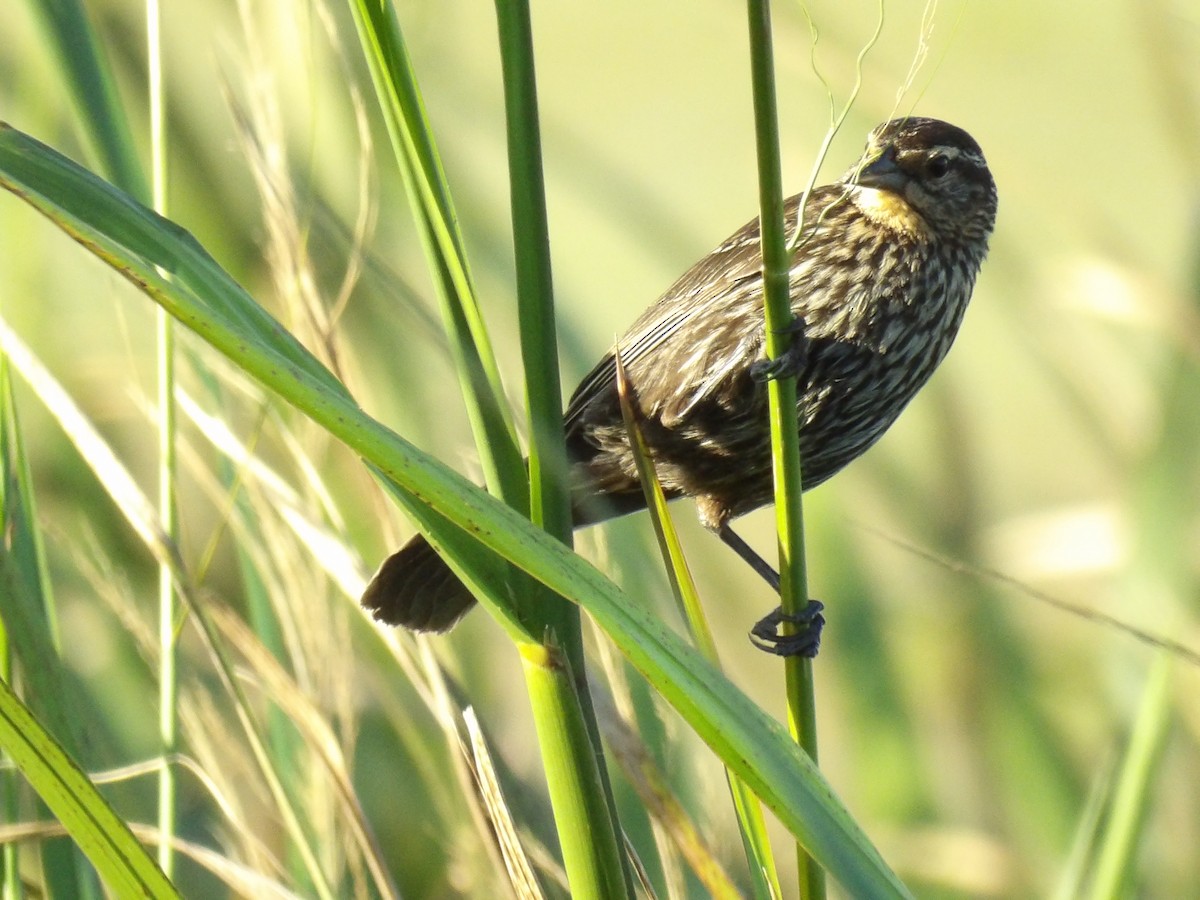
point(880, 278)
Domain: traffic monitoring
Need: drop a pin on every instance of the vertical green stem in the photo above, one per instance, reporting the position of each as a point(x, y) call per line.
point(581, 795)
point(550, 506)
point(764, 878)
point(420, 166)
point(582, 807)
point(1126, 820)
point(785, 440)
point(167, 676)
point(10, 884)
point(549, 501)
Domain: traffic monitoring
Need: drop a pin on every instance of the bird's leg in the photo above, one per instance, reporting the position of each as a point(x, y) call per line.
point(806, 639)
point(791, 361)
point(734, 541)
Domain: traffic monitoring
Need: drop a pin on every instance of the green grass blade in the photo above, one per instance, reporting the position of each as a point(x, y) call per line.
point(31, 629)
point(420, 167)
point(140, 513)
point(90, 83)
point(416, 154)
point(584, 808)
point(28, 610)
point(125, 866)
point(1075, 872)
point(582, 811)
point(549, 497)
point(83, 196)
point(751, 823)
point(785, 438)
point(750, 742)
point(550, 505)
point(168, 678)
point(1133, 787)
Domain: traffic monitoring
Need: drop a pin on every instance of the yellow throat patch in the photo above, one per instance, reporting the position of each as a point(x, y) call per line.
point(891, 211)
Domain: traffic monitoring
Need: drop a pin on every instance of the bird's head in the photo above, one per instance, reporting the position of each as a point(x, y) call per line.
point(928, 178)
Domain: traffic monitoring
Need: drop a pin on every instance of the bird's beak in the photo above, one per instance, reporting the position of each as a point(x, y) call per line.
point(882, 171)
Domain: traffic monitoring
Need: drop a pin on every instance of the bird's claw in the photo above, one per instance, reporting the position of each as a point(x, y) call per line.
point(789, 363)
point(804, 641)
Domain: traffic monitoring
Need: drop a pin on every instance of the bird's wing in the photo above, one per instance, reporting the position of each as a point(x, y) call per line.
point(736, 260)
point(732, 267)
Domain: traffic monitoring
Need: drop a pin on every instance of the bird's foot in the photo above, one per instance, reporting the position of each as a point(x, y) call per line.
point(789, 363)
point(805, 641)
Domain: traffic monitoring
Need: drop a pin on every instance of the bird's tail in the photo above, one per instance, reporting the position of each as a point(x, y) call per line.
point(415, 588)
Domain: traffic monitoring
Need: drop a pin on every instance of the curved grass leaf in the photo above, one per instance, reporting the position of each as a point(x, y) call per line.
point(103, 835)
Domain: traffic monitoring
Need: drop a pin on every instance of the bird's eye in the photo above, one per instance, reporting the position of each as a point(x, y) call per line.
point(938, 166)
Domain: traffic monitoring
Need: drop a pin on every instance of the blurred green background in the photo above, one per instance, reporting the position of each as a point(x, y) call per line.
point(969, 726)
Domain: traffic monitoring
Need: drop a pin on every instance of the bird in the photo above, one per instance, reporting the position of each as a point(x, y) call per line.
point(883, 264)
